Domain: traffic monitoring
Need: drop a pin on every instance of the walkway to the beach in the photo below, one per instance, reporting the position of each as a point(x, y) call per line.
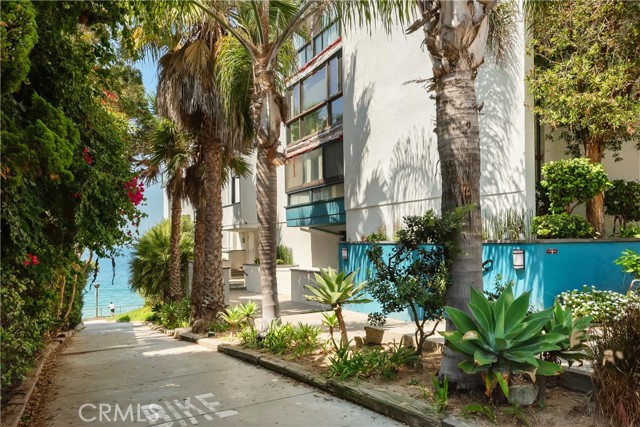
point(128, 375)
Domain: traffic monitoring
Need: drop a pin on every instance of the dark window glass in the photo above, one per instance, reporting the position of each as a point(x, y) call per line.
point(333, 160)
point(336, 111)
point(302, 58)
point(314, 89)
point(314, 122)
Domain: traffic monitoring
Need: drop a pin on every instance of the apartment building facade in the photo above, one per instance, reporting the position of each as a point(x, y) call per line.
point(361, 146)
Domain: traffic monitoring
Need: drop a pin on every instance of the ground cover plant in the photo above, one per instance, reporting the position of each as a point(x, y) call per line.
point(601, 305)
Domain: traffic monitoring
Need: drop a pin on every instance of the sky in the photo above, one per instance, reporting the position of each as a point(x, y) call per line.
point(152, 206)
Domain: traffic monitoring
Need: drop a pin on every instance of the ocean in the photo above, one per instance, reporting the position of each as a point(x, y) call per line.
point(117, 292)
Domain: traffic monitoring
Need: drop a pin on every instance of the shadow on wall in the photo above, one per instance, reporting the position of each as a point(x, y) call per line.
point(502, 157)
point(358, 194)
point(409, 175)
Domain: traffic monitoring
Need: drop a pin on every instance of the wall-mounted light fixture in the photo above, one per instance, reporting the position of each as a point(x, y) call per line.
point(345, 253)
point(518, 259)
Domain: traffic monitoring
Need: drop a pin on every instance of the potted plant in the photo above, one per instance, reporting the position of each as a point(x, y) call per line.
point(374, 332)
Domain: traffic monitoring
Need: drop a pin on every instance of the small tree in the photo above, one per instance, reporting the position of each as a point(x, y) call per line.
point(415, 275)
point(622, 200)
point(336, 289)
point(585, 77)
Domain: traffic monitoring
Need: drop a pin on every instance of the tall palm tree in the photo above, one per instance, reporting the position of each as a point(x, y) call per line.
point(188, 94)
point(263, 33)
point(457, 34)
point(171, 153)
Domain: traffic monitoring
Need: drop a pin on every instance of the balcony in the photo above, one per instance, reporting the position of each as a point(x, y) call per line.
point(320, 213)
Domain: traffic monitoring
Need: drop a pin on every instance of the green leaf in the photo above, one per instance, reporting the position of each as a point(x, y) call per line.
point(459, 318)
point(503, 384)
point(481, 357)
point(548, 368)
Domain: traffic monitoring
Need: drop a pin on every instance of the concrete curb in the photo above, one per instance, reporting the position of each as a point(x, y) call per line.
point(410, 411)
point(14, 409)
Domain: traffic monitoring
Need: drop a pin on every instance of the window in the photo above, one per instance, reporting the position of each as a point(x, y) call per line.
point(336, 111)
point(333, 160)
point(315, 103)
point(316, 195)
point(313, 165)
point(314, 89)
point(328, 32)
point(314, 122)
point(232, 191)
point(322, 165)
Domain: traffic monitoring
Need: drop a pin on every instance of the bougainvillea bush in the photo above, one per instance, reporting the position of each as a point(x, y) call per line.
point(65, 157)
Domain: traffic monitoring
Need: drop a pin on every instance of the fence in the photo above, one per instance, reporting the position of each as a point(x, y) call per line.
point(88, 313)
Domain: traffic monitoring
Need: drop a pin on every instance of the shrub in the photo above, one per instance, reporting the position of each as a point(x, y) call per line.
point(376, 319)
point(602, 306)
point(415, 275)
point(631, 230)
point(573, 347)
point(572, 181)
point(233, 317)
point(622, 200)
point(370, 361)
point(499, 339)
point(278, 338)
point(123, 319)
point(305, 339)
point(284, 255)
point(169, 315)
point(630, 263)
point(561, 226)
point(616, 369)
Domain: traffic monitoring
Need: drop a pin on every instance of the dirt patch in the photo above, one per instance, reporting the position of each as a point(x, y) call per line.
point(562, 408)
point(35, 413)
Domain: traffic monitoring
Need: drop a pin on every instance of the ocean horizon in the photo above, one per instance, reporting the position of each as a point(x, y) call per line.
point(114, 287)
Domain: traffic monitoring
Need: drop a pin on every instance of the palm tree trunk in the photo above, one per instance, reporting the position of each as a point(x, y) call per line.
point(175, 282)
point(459, 150)
point(212, 301)
point(267, 199)
point(595, 207)
point(198, 262)
point(73, 296)
point(267, 118)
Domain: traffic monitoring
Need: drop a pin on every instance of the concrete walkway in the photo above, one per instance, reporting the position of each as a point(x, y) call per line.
point(127, 375)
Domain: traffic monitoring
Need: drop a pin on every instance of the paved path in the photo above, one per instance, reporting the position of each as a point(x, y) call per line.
point(121, 374)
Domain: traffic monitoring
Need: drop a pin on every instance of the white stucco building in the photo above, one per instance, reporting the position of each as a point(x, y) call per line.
point(362, 151)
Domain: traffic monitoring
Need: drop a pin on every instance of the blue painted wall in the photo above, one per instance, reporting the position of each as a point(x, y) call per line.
point(551, 267)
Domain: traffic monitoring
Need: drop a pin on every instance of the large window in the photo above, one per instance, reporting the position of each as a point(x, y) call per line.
point(319, 167)
point(315, 103)
point(327, 33)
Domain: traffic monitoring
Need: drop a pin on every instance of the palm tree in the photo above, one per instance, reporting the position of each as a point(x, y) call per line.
point(171, 154)
point(149, 266)
point(457, 34)
point(262, 33)
point(189, 95)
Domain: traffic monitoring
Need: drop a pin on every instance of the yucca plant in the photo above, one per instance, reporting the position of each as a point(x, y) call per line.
point(335, 289)
point(499, 339)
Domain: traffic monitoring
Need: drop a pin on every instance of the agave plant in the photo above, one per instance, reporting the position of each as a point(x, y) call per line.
point(500, 339)
point(233, 317)
point(248, 311)
point(335, 289)
point(329, 318)
point(573, 347)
